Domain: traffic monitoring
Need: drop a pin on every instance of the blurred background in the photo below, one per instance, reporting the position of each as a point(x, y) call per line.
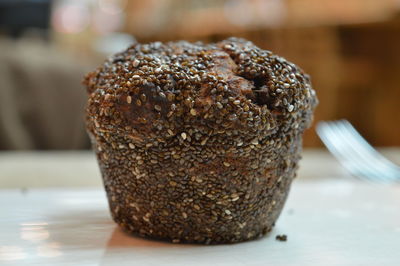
point(351, 49)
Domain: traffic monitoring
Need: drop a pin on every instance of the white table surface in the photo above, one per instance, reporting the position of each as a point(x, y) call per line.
point(54, 212)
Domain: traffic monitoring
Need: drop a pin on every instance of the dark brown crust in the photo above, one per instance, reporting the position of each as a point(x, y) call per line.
point(198, 143)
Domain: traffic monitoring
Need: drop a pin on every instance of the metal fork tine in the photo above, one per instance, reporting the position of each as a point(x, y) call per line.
point(382, 166)
point(355, 153)
point(334, 145)
point(359, 167)
point(371, 149)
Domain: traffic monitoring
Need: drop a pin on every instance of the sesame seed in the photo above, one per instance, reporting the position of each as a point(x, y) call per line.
point(138, 102)
point(183, 135)
point(193, 112)
point(170, 132)
point(236, 102)
point(254, 141)
point(290, 108)
point(157, 107)
point(228, 212)
point(128, 99)
point(136, 77)
point(171, 97)
point(227, 164)
point(135, 63)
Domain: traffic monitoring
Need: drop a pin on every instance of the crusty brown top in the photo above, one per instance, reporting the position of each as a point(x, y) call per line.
point(229, 86)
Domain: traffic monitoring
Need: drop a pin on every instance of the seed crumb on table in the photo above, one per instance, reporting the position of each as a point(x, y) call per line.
point(282, 238)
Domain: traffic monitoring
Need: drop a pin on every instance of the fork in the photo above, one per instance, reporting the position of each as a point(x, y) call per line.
point(355, 153)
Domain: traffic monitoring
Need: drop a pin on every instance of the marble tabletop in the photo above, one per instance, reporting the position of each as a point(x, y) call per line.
point(54, 212)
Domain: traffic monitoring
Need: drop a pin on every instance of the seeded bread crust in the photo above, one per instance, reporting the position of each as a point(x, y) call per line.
point(198, 142)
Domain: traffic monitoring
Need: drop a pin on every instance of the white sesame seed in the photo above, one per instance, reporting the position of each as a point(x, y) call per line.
point(136, 77)
point(241, 225)
point(228, 212)
point(227, 164)
point(254, 141)
point(193, 112)
point(128, 99)
point(183, 135)
point(131, 145)
point(135, 63)
point(290, 108)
